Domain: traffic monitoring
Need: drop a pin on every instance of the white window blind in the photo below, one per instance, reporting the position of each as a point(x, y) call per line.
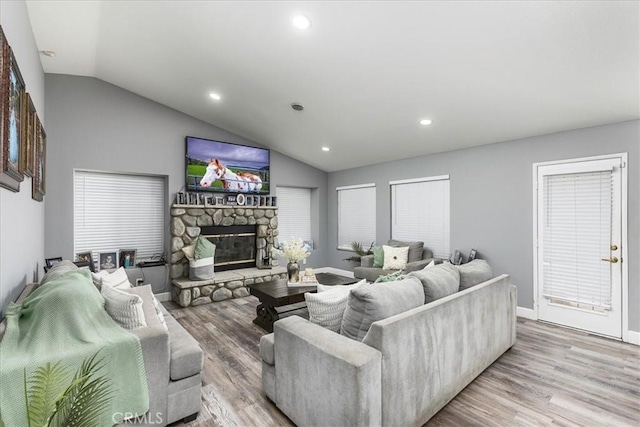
point(420, 212)
point(356, 215)
point(577, 235)
point(294, 213)
point(118, 211)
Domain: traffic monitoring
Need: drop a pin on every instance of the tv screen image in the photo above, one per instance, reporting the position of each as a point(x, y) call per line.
point(217, 166)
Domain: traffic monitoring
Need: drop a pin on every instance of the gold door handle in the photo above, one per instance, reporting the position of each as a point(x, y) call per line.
point(612, 260)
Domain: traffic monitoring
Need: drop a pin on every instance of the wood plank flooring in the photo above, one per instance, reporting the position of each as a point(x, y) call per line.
point(552, 376)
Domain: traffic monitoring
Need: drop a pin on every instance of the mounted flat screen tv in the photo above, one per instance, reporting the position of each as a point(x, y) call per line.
point(217, 166)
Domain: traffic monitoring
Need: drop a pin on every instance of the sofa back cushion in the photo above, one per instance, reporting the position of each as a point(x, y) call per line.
point(58, 270)
point(372, 302)
point(415, 249)
point(473, 273)
point(438, 281)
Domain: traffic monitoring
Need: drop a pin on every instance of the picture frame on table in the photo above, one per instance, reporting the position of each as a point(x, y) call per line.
point(472, 255)
point(12, 106)
point(107, 260)
point(84, 256)
point(38, 185)
point(127, 258)
point(50, 262)
point(85, 259)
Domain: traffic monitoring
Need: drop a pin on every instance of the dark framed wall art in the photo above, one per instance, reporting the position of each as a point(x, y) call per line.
point(13, 136)
point(38, 182)
point(27, 157)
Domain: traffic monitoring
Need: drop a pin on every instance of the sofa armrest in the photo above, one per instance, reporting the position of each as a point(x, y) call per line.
point(323, 378)
point(366, 261)
point(417, 265)
point(155, 352)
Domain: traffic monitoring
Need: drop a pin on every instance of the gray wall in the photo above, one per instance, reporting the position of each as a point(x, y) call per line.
point(95, 125)
point(21, 217)
point(492, 198)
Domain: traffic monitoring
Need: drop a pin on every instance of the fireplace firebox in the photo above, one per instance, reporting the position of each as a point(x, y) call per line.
point(235, 245)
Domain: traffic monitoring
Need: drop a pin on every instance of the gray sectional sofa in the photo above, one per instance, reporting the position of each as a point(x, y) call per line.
point(407, 366)
point(173, 362)
point(419, 257)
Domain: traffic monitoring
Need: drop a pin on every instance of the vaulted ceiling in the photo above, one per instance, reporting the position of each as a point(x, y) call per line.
point(366, 72)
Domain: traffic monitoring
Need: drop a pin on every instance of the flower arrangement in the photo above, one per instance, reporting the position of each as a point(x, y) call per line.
point(293, 250)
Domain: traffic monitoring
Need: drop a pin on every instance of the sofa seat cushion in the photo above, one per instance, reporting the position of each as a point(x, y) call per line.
point(185, 353)
point(415, 249)
point(267, 353)
point(370, 303)
point(438, 281)
point(473, 273)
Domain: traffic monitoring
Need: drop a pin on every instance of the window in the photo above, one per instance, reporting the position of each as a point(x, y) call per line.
point(118, 211)
point(420, 212)
point(356, 215)
point(294, 213)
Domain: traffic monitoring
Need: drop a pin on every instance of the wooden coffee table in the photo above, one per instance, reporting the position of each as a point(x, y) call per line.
point(277, 293)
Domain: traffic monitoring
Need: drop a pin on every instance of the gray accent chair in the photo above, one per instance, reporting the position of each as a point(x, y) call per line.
point(407, 367)
point(419, 257)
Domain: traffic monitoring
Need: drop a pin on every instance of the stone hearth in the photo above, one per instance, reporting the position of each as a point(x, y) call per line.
point(225, 285)
point(185, 228)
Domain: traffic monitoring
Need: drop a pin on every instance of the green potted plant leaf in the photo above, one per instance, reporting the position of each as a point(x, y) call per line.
point(52, 400)
point(359, 252)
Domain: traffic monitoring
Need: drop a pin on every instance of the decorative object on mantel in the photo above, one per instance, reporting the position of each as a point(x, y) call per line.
point(208, 200)
point(293, 250)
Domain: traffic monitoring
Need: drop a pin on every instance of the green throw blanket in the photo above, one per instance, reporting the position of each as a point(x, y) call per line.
point(65, 320)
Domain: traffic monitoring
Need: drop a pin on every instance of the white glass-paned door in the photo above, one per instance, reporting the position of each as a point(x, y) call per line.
point(579, 245)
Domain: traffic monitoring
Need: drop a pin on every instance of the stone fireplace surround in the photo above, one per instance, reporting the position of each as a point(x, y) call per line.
point(186, 221)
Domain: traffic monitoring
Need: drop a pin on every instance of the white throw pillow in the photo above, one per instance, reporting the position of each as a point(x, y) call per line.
point(118, 279)
point(97, 278)
point(126, 309)
point(327, 306)
point(395, 258)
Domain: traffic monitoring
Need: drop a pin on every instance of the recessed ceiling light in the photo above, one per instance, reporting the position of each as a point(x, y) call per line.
point(215, 96)
point(49, 53)
point(301, 22)
point(326, 149)
point(425, 122)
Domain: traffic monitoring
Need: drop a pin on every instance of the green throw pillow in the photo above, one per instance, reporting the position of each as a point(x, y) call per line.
point(378, 256)
point(392, 277)
point(204, 248)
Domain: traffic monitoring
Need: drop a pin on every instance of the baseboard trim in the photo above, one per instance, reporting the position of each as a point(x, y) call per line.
point(337, 271)
point(163, 296)
point(633, 337)
point(527, 313)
